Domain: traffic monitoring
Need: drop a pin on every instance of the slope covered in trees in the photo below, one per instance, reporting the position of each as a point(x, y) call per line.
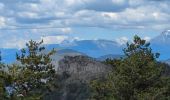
point(32, 78)
point(137, 76)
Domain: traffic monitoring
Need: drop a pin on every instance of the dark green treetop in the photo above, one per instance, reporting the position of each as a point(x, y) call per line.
point(137, 76)
point(38, 70)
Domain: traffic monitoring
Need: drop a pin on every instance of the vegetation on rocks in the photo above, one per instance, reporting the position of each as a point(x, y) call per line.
point(136, 76)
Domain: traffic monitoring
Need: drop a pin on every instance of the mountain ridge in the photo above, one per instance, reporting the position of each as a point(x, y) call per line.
point(97, 48)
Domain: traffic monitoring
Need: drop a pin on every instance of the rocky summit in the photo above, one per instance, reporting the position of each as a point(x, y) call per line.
point(82, 67)
point(74, 74)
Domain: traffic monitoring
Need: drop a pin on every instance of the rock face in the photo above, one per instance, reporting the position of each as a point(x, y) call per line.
point(82, 67)
point(61, 54)
point(74, 75)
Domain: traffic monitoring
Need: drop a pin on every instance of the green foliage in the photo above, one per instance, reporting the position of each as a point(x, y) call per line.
point(36, 71)
point(30, 79)
point(102, 90)
point(5, 79)
point(138, 76)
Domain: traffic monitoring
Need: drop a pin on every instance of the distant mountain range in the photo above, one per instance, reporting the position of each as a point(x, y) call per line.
point(8, 55)
point(161, 44)
point(99, 49)
point(92, 48)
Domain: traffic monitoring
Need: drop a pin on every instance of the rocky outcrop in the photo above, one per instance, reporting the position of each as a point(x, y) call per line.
point(82, 67)
point(74, 75)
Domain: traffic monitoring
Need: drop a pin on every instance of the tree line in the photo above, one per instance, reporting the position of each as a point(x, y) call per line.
point(31, 78)
point(136, 76)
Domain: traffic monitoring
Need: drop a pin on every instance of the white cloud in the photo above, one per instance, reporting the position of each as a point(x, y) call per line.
point(66, 30)
point(14, 42)
point(2, 6)
point(133, 13)
point(77, 38)
point(142, 17)
point(122, 40)
point(54, 39)
point(113, 16)
point(118, 2)
point(2, 21)
point(147, 38)
point(73, 2)
point(68, 14)
point(136, 2)
point(27, 15)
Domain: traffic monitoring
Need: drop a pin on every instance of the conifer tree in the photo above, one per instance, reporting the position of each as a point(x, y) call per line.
point(5, 79)
point(38, 70)
point(137, 76)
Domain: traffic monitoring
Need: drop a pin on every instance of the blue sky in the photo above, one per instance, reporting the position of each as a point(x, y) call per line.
point(58, 20)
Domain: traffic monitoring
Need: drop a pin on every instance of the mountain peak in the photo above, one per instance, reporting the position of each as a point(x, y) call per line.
point(166, 33)
point(162, 39)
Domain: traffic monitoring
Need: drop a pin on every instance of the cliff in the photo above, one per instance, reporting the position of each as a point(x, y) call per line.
point(74, 74)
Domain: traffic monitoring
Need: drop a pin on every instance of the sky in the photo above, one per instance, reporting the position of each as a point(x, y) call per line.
point(56, 21)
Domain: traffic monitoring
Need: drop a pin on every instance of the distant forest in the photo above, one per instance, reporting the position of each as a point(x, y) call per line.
point(136, 76)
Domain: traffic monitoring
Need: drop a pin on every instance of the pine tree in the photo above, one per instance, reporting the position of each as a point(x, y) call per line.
point(138, 76)
point(2, 83)
point(37, 72)
point(5, 79)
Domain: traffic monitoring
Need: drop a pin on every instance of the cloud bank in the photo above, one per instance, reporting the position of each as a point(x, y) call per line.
point(45, 18)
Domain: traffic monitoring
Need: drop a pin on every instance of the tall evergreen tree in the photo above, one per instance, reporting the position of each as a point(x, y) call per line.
point(38, 70)
point(138, 76)
point(3, 77)
point(5, 80)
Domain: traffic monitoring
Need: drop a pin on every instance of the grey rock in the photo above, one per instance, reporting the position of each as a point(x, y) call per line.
point(82, 67)
point(74, 75)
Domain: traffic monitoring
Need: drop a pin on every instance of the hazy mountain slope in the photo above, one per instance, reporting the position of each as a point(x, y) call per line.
point(60, 54)
point(8, 55)
point(92, 48)
point(161, 44)
point(97, 48)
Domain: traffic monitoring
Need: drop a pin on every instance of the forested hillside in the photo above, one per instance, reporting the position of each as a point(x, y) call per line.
point(138, 75)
